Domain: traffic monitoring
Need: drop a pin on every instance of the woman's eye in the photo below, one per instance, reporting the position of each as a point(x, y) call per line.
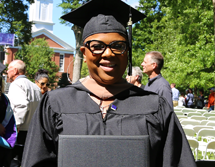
point(118, 46)
point(97, 47)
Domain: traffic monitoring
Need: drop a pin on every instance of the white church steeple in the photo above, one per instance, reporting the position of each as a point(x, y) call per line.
point(41, 14)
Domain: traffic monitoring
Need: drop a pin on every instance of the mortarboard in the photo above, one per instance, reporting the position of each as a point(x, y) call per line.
point(103, 16)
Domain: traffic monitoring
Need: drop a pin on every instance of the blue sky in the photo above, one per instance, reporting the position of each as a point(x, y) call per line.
point(64, 32)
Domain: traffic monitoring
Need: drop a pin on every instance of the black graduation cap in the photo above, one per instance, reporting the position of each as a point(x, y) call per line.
point(103, 16)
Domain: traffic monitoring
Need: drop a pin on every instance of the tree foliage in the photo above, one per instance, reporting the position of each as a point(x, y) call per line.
point(84, 70)
point(14, 19)
point(68, 6)
point(183, 32)
point(37, 55)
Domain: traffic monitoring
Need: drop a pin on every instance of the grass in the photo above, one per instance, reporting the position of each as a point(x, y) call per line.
point(211, 156)
point(200, 156)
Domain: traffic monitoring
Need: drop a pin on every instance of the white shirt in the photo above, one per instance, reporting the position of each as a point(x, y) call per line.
point(24, 97)
point(181, 101)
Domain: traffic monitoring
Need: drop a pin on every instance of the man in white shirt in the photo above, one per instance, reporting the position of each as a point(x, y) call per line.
point(175, 95)
point(24, 96)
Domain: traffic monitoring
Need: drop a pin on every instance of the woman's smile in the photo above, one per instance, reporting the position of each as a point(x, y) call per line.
point(107, 66)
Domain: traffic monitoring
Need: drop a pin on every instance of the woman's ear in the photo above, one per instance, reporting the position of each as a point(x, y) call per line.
point(82, 49)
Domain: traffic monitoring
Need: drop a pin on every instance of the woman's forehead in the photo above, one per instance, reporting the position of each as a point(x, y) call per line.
point(106, 37)
point(43, 79)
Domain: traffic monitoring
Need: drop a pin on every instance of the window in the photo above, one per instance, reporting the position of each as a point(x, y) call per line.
point(61, 64)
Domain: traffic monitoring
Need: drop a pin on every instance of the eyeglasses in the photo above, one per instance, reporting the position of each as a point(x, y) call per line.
point(98, 47)
point(42, 84)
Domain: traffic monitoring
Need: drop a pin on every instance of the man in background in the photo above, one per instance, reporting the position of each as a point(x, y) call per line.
point(136, 78)
point(211, 100)
point(175, 95)
point(24, 96)
point(152, 65)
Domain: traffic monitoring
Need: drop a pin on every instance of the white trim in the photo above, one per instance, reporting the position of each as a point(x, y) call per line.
point(63, 51)
point(56, 50)
point(54, 38)
point(43, 22)
point(15, 47)
point(61, 69)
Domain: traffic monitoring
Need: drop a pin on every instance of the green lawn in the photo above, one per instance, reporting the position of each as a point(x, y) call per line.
point(211, 156)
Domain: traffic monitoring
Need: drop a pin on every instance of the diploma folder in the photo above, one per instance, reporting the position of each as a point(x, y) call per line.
point(103, 151)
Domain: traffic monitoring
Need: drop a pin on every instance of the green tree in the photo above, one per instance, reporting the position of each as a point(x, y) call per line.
point(14, 19)
point(183, 32)
point(38, 55)
point(84, 70)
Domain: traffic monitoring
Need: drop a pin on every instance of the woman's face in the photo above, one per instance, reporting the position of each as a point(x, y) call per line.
point(106, 68)
point(43, 84)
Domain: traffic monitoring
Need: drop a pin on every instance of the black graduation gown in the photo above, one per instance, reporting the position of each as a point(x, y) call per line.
point(71, 111)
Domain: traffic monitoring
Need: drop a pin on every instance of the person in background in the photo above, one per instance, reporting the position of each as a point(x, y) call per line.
point(42, 80)
point(136, 77)
point(105, 103)
point(24, 96)
point(211, 100)
point(181, 100)
point(175, 95)
point(189, 98)
point(186, 93)
point(200, 101)
point(8, 131)
point(152, 65)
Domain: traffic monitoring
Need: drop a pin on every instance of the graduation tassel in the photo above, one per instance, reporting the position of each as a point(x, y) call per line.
point(130, 44)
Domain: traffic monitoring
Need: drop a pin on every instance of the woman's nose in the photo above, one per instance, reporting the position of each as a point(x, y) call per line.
point(108, 52)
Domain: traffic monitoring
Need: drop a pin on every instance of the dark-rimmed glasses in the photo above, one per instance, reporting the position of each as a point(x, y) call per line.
point(98, 47)
point(42, 84)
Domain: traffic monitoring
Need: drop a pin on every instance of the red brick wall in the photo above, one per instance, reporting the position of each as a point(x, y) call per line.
point(11, 54)
point(50, 42)
point(68, 61)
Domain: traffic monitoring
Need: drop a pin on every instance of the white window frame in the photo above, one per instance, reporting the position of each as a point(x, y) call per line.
point(61, 61)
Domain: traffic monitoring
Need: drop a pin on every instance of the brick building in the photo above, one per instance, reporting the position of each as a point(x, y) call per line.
point(41, 14)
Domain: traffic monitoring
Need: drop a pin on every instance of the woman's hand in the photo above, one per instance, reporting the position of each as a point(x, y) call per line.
point(2, 130)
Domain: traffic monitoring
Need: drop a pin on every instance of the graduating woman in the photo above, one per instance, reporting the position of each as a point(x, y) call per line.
point(104, 103)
